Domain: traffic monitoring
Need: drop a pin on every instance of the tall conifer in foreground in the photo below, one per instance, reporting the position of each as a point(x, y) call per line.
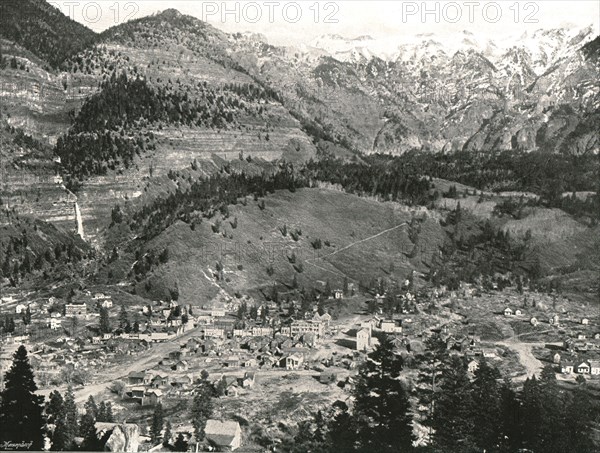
point(382, 409)
point(21, 410)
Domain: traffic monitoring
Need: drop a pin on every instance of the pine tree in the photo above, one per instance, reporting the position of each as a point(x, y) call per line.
point(430, 372)
point(180, 443)
point(123, 318)
point(552, 407)
point(91, 407)
point(531, 400)
point(157, 424)
point(21, 417)
point(487, 402)
point(71, 423)
point(27, 316)
point(101, 415)
point(510, 411)
point(167, 436)
point(87, 429)
point(382, 409)
point(104, 321)
point(105, 413)
point(54, 407)
point(451, 417)
point(579, 414)
point(341, 429)
point(202, 408)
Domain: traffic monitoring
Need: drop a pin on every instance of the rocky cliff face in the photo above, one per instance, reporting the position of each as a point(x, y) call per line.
point(429, 93)
point(122, 437)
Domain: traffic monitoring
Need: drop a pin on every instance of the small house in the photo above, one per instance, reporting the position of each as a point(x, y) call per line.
point(181, 382)
point(181, 365)
point(232, 362)
point(508, 311)
point(158, 381)
point(518, 312)
point(217, 313)
point(294, 362)
point(226, 435)
point(20, 308)
point(75, 310)
point(326, 319)
point(138, 393)
point(554, 321)
point(250, 363)
point(248, 380)
point(152, 397)
point(556, 358)
point(585, 321)
point(388, 325)
point(473, 366)
point(136, 378)
point(594, 367)
point(108, 303)
point(567, 367)
point(583, 368)
point(338, 294)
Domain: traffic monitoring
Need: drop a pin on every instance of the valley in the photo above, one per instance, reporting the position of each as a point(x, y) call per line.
point(211, 243)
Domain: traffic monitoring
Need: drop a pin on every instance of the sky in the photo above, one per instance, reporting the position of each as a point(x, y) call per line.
point(293, 23)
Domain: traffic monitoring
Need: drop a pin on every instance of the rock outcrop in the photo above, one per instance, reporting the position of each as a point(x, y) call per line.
point(122, 437)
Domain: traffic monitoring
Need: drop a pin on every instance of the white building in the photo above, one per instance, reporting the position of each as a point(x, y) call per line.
point(363, 339)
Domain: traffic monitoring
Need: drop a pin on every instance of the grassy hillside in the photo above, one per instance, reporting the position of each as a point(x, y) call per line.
point(250, 244)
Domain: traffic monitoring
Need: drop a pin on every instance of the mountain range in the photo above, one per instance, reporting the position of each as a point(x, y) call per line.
point(110, 118)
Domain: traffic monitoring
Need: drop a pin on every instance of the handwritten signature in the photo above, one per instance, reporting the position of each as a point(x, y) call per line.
point(8, 445)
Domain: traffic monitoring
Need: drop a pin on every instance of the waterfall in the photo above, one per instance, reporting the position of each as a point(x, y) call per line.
point(79, 221)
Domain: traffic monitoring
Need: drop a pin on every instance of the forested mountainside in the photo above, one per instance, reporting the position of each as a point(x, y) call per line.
point(42, 29)
point(152, 95)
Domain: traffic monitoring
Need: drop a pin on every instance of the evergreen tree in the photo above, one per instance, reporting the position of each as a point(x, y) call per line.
point(168, 434)
point(157, 424)
point(510, 411)
point(342, 429)
point(27, 316)
point(580, 414)
point(91, 407)
point(104, 321)
point(180, 443)
point(101, 416)
point(87, 428)
point(451, 417)
point(70, 423)
point(382, 409)
point(21, 417)
point(487, 403)
point(105, 413)
point(552, 405)
point(123, 318)
point(430, 373)
point(54, 407)
point(532, 414)
point(202, 408)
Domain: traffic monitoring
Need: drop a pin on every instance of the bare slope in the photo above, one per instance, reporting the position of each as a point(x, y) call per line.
point(256, 254)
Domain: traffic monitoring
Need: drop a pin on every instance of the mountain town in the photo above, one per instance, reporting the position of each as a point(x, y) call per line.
point(211, 243)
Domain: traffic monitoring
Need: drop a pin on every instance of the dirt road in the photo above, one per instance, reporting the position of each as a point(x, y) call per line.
point(141, 362)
